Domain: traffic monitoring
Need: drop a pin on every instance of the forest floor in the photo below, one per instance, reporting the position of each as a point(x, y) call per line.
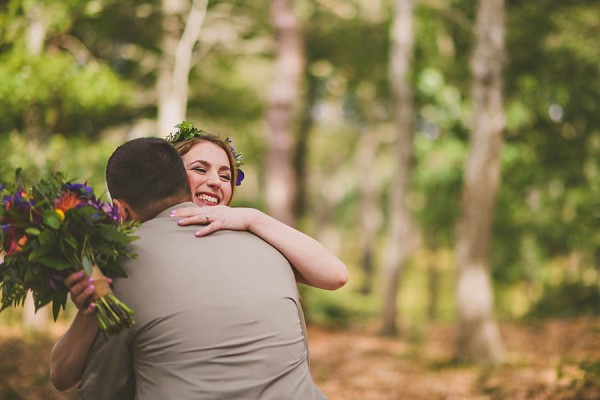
point(556, 359)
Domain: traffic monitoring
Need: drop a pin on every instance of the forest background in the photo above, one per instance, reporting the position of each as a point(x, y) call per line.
point(358, 122)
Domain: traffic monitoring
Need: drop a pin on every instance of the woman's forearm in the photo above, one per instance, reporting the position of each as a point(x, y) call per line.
point(313, 263)
point(70, 352)
point(316, 266)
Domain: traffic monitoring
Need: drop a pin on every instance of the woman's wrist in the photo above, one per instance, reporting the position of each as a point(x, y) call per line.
point(255, 219)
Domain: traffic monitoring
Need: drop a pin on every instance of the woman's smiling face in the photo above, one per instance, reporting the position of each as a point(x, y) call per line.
point(209, 174)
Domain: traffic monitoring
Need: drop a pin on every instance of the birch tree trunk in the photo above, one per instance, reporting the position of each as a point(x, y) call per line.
point(402, 237)
point(35, 39)
point(280, 178)
point(178, 45)
point(479, 337)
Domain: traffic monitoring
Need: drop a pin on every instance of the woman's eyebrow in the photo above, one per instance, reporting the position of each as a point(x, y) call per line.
point(199, 161)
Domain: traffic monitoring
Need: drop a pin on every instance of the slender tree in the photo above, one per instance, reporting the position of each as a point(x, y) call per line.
point(402, 238)
point(479, 337)
point(178, 45)
point(369, 217)
point(35, 40)
point(284, 92)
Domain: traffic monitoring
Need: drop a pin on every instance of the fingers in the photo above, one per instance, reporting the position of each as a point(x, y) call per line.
point(205, 231)
point(74, 278)
point(90, 309)
point(81, 289)
point(193, 211)
point(193, 220)
point(198, 211)
point(184, 212)
point(83, 299)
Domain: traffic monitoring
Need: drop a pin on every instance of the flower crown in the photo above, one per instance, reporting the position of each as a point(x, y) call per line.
point(187, 130)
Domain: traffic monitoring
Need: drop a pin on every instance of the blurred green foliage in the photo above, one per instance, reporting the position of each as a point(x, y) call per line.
point(93, 83)
point(569, 299)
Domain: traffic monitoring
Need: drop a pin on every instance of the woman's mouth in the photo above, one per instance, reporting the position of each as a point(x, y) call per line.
point(207, 199)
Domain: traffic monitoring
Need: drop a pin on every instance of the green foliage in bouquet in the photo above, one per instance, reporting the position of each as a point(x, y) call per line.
point(54, 229)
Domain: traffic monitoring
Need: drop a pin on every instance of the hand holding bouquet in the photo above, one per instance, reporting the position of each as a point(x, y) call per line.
point(57, 228)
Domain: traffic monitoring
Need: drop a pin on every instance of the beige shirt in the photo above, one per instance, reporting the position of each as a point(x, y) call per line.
point(216, 317)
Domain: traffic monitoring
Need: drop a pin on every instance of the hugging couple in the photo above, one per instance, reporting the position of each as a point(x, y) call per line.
point(218, 314)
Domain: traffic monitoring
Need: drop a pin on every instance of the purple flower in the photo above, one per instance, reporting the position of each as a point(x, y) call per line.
point(81, 189)
point(240, 177)
point(20, 201)
point(111, 211)
point(55, 280)
point(52, 284)
point(2, 186)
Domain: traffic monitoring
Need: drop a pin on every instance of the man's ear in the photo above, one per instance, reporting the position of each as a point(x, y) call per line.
point(124, 209)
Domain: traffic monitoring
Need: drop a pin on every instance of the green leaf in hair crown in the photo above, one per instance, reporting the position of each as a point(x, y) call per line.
point(186, 130)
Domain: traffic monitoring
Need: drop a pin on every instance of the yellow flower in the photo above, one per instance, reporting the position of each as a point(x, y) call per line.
point(61, 214)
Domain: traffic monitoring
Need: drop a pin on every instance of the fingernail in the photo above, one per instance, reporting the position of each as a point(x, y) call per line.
point(180, 221)
point(80, 274)
point(90, 279)
point(172, 213)
point(91, 288)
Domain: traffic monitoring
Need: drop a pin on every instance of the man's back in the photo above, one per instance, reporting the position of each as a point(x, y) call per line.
point(216, 317)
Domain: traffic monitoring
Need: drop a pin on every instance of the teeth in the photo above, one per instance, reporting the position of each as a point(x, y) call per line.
point(208, 198)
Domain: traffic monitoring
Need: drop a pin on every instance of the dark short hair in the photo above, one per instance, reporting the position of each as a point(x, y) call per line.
point(149, 175)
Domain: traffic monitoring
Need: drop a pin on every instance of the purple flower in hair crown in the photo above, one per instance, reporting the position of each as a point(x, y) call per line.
point(187, 130)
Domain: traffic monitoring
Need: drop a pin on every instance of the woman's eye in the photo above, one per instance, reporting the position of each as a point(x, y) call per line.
point(225, 178)
point(200, 170)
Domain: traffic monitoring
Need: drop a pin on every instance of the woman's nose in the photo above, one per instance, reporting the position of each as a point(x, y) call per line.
point(214, 180)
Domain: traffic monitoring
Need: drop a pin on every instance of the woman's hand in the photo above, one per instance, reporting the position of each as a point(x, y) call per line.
point(216, 218)
point(81, 287)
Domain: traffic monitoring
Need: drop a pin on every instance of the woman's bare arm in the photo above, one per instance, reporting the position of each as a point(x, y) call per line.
point(69, 354)
point(314, 264)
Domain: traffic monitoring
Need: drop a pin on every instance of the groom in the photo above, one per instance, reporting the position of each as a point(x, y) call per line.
point(216, 317)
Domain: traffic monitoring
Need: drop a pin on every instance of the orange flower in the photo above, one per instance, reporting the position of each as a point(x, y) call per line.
point(21, 242)
point(67, 201)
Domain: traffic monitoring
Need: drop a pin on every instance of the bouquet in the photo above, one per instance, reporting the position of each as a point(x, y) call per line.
point(54, 229)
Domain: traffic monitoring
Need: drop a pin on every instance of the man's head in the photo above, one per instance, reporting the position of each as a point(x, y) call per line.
point(146, 176)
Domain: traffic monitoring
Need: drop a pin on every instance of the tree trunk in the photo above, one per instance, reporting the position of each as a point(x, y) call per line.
point(301, 153)
point(433, 282)
point(280, 178)
point(177, 50)
point(402, 237)
point(369, 214)
point(35, 39)
point(479, 337)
